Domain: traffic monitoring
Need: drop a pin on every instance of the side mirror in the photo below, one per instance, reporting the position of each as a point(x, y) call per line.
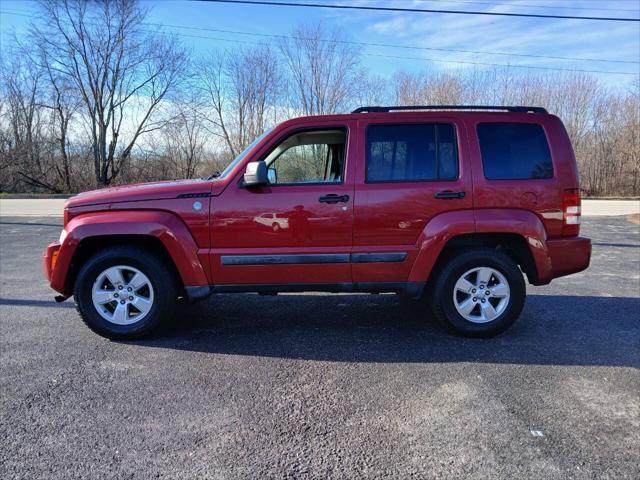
point(256, 174)
point(272, 175)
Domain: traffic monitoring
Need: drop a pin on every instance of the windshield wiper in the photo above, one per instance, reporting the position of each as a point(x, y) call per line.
point(213, 175)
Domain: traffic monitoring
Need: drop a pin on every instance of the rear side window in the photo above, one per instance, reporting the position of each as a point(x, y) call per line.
point(514, 151)
point(397, 153)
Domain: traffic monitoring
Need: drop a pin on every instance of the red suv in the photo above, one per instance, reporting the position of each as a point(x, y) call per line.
point(449, 204)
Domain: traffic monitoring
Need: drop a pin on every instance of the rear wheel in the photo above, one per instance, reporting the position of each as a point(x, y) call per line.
point(478, 293)
point(125, 292)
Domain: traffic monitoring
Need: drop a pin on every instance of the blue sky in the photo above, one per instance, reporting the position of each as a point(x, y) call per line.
point(435, 35)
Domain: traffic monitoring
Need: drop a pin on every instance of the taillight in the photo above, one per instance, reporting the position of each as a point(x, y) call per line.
point(571, 212)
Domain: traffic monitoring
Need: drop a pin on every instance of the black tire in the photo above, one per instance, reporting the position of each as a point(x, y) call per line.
point(441, 295)
point(162, 279)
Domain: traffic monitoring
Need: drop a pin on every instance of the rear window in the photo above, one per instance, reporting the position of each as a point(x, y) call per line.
point(404, 153)
point(514, 151)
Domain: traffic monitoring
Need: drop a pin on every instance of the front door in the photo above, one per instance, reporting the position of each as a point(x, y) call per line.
point(298, 228)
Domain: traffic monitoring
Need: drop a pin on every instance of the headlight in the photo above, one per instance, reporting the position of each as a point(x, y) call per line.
point(63, 235)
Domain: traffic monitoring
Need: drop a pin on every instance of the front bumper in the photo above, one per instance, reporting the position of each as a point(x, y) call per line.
point(568, 255)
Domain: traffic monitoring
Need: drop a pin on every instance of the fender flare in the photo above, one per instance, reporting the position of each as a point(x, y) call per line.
point(524, 223)
point(435, 235)
point(165, 226)
point(444, 227)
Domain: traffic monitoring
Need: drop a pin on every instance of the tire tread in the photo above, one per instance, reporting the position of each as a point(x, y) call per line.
point(439, 292)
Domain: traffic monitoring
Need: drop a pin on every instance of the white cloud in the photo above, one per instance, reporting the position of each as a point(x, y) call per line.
point(530, 36)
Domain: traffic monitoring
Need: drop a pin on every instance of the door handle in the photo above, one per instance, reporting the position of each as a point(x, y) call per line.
point(334, 198)
point(448, 195)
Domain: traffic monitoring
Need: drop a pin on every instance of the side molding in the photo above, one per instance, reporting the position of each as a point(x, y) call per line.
point(313, 258)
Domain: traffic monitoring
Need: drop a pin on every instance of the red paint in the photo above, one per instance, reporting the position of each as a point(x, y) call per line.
point(435, 236)
point(542, 197)
point(524, 223)
point(569, 255)
point(379, 217)
point(396, 214)
point(284, 219)
point(167, 227)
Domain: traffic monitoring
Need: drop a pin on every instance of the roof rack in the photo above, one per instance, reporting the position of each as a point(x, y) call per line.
point(517, 109)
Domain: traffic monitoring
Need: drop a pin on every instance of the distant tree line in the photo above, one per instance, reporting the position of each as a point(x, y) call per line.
point(95, 97)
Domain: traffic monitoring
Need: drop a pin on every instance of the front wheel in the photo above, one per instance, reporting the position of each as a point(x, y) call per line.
point(478, 293)
point(124, 292)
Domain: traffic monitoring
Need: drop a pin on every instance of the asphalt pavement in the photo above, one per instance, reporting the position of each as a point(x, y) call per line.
point(324, 386)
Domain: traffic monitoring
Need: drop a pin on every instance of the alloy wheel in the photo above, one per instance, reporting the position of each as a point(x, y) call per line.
point(122, 295)
point(481, 294)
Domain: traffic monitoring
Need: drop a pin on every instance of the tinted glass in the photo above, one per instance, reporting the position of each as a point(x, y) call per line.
point(411, 153)
point(512, 151)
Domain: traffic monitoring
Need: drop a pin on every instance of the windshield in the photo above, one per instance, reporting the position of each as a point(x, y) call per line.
point(243, 154)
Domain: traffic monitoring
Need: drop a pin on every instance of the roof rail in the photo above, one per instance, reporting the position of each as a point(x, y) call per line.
point(517, 109)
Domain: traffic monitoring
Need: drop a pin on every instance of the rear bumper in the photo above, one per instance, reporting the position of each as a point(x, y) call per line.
point(568, 255)
point(49, 261)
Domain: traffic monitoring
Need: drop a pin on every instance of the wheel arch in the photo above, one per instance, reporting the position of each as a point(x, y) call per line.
point(519, 233)
point(91, 245)
point(161, 232)
point(512, 244)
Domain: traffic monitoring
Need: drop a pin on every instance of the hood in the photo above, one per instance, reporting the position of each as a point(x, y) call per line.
point(140, 191)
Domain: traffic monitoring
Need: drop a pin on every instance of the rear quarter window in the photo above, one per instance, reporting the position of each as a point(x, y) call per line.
point(514, 151)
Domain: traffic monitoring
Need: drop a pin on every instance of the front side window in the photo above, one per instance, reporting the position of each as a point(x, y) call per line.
point(514, 151)
point(397, 153)
point(308, 157)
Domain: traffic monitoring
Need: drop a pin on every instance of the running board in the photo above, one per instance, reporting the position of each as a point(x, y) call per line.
point(411, 289)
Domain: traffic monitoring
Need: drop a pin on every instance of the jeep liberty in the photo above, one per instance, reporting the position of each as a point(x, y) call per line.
point(448, 204)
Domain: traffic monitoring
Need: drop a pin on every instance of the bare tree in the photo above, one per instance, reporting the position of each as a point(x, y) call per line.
point(427, 88)
point(121, 71)
point(372, 90)
point(323, 71)
point(241, 89)
point(26, 135)
point(184, 139)
point(64, 102)
point(95, 97)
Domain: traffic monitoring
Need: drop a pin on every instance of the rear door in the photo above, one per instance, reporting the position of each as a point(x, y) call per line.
point(409, 171)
